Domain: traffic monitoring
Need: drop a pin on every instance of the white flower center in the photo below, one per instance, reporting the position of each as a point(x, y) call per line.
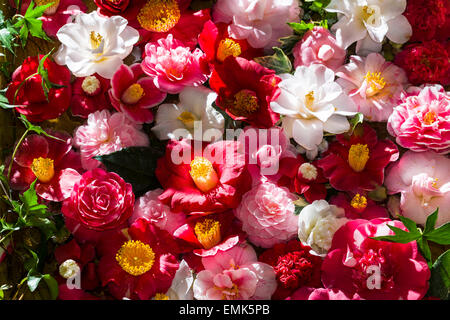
point(371, 15)
point(308, 171)
point(68, 269)
point(97, 42)
point(90, 85)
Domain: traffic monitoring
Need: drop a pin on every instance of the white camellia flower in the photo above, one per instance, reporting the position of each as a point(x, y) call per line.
point(182, 285)
point(95, 44)
point(317, 224)
point(184, 119)
point(312, 103)
point(368, 22)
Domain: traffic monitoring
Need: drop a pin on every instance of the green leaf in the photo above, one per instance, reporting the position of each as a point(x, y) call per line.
point(33, 282)
point(31, 264)
point(440, 277)
point(52, 285)
point(431, 222)
point(400, 236)
point(357, 119)
point(425, 250)
point(288, 43)
point(409, 224)
point(36, 129)
point(279, 61)
point(136, 165)
point(7, 39)
point(301, 27)
point(440, 235)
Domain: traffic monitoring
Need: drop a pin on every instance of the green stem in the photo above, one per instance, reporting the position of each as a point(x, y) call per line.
point(7, 236)
point(21, 84)
point(15, 151)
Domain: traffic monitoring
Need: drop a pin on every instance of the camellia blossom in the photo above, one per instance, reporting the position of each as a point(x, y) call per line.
point(424, 184)
point(182, 285)
point(368, 22)
point(267, 214)
point(354, 258)
point(359, 206)
point(421, 121)
point(312, 103)
point(235, 274)
point(173, 66)
point(95, 44)
point(193, 112)
point(106, 133)
point(90, 94)
point(133, 94)
point(261, 23)
point(309, 293)
point(374, 85)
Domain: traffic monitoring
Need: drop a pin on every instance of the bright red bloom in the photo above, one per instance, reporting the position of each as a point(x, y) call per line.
point(29, 94)
point(52, 162)
point(294, 266)
point(357, 162)
point(89, 94)
point(359, 206)
point(354, 261)
point(140, 265)
point(205, 179)
point(427, 62)
point(245, 90)
point(118, 7)
point(303, 177)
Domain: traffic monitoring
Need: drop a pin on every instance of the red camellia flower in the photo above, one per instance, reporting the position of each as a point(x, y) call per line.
point(427, 62)
point(374, 269)
point(202, 179)
point(90, 94)
point(52, 162)
point(359, 207)
point(118, 7)
point(139, 263)
point(303, 177)
point(357, 162)
point(26, 90)
point(294, 266)
point(245, 90)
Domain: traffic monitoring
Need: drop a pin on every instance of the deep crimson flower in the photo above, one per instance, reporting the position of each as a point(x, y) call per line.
point(357, 162)
point(205, 179)
point(52, 162)
point(354, 261)
point(427, 62)
point(303, 177)
point(359, 206)
point(118, 7)
point(294, 266)
point(29, 94)
point(140, 265)
point(89, 94)
point(245, 90)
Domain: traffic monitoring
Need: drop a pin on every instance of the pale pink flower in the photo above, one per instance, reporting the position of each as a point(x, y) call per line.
point(422, 120)
point(105, 133)
point(260, 22)
point(267, 214)
point(423, 179)
point(152, 209)
point(374, 84)
point(235, 274)
point(319, 46)
point(173, 66)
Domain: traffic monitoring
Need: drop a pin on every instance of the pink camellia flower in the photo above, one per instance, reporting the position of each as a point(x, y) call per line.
point(152, 209)
point(319, 46)
point(421, 121)
point(373, 269)
point(267, 214)
point(89, 94)
point(309, 293)
point(359, 207)
point(105, 133)
point(133, 94)
point(235, 274)
point(173, 66)
point(374, 84)
point(424, 183)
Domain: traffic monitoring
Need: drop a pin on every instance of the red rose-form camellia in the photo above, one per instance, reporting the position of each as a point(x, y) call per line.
point(139, 263)
point(209, 178)
point(357, 162)
point(245, 90)
point(354, 261)
point(52, 162)
point(90, 94)
point(29, 95)
point(359, 206)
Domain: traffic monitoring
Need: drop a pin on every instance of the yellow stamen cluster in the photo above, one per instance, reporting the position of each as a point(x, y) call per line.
point(133, 94)
point(368, 14)
point(429, 118)
point(96, 40)
point(434, 183)
point(161, 296)
point(50, 10)
point(359, 202)
point(358, 155)
point(245, 103)
point(375, 83)
point(188, 119)
point(208, 232)
point(43, 169)
point(135, 257)
point(203, 174)
point(228, 47)
point(159, 15)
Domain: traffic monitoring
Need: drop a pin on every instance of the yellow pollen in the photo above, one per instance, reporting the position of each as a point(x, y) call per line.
point(434, 183)
point(208, 232)
point(359, 202)
point(375, 83)
point(96, 40)
point(159, 15)
point(230, 293)
point(135, 257)
point(203, 174)
point(133, 94)
point(187, 118)
point(43, 169)
point(245, 103)
point(309, 100)
point(368, 14)
point(429, 118)
point(358, 155)
point(228, 47)
point(50, 10)
point(161, 296)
